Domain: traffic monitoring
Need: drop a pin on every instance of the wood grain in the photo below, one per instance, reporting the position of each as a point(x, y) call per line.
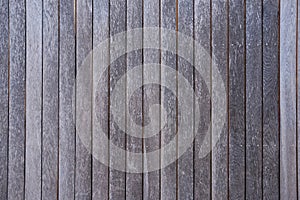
point(236, 100)
point(67, 69)
point(270, 100)
point(253, 99)
point(34, 89)
point(219, 36)
point(17, 68)
point(288, 165)
point(4, 60)
point(50, 100)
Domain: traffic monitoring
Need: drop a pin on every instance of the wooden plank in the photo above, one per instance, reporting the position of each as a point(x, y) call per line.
point(168, 101)
point(220, 51)
point(134, 181)
point(202, 173)
point(50, 100)
point(4, 60)
point(288, 170)
point(185, 69)
point(151, 183)
point(270, 100)
point(84, 44)
point(16, 154)
point(34, 102)
point(100, 173)
point(67, 69)
point(117, 179)
point(236, 100)
point(254, 99)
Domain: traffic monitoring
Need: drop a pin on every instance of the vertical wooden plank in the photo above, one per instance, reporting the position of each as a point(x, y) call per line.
point(4, 60)
point(134, 181)
point(236, 100)
point(50, 100)
point(220, 52)
point(254, 99)
point(186, 161)
point(100, 173)
point(288, 170)
point(151, 181)
point(169, 173)
point(84, 44)
point(67, 69)
point(16, 155)
point(33, 99)
point(270, 100)
point(117, 179)
point(202, 173)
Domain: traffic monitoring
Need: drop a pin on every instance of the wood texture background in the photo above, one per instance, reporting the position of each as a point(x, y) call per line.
point(255, 46)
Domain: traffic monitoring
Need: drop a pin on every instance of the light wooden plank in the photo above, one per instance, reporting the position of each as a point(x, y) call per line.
point(236, 100)
point(168, 100)
point(50, 100)
point(202, 173)
point(100, 173)
point(117, 179)
point(134, 181)
point(254, 99)
point(185, 69)
point(16, 155)
point(271, 100)
point(34, 84)
point(151, 92)
point(220, 52)
point(4, 60)
point(288, 165)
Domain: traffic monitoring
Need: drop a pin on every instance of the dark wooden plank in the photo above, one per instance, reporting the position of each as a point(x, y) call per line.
point(202, 173)
point(50, 100)
point(236, 100)
point(134, 181)
point(186, 161)
point(270, 100)
point(151, 181)
point(288, 165)
point(66, 100)
point(4, 56)
point(220, 51)
point(16, 155)
point(84, 44)
point(117, 179)
point(169, 173)
point(34, 102)
point(254, 99)
point(100, 173)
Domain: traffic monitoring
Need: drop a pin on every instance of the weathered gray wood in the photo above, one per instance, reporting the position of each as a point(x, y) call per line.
point(288, 165)
point(151, 180)
point(253, 99)
point(270, 100)
point(185, 162)
point(34, 89)
point(100, 173)
point(134, 182)
point(84, 44)
point(16, 154)
point(117, 179)
point(169, 130)
point(50, 100)
point(4, 56)
point(202, 173)
point(66, 100)
point(236, 100)
point(220, 52)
